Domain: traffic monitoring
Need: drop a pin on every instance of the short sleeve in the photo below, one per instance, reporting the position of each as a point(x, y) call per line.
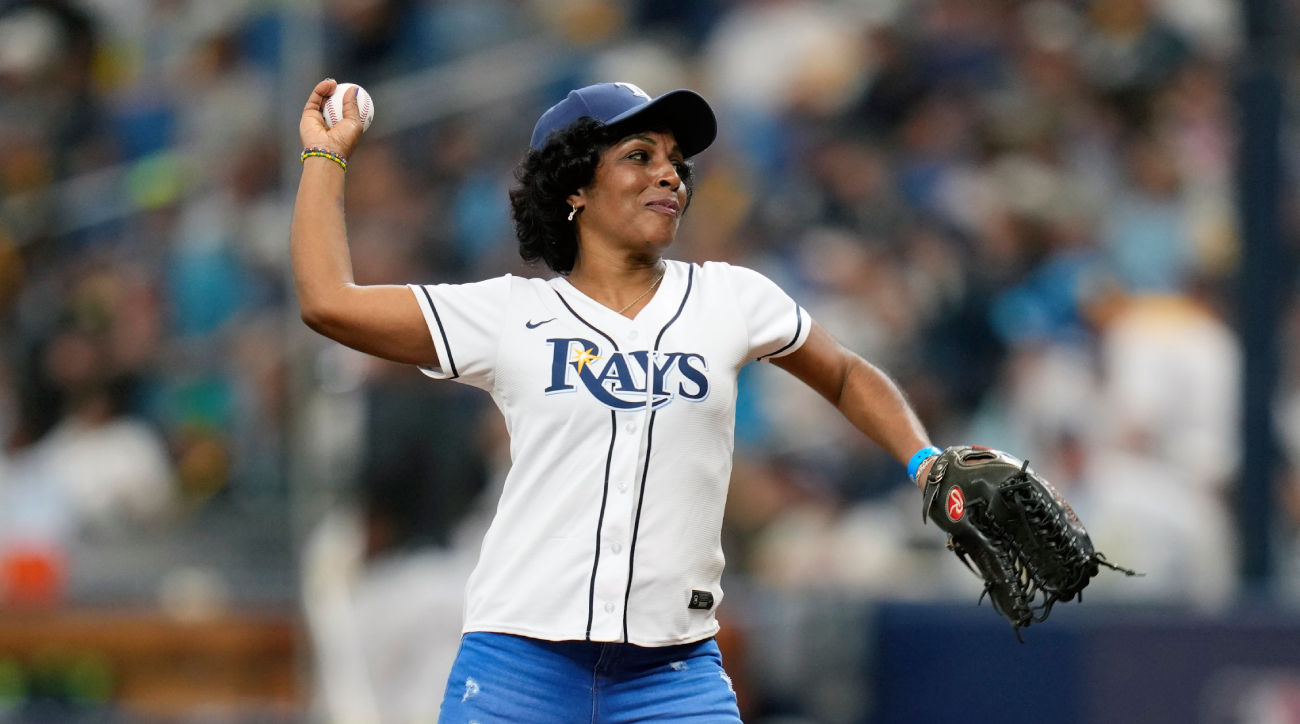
point(465, 321)
point(776, 325)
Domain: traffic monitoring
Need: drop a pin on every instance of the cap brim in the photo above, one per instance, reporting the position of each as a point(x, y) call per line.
point(684, 112)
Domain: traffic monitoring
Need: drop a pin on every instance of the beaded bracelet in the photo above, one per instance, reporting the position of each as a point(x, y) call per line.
point(309, 152)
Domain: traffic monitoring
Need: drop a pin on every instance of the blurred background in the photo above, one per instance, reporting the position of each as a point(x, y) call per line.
point(1066, 227)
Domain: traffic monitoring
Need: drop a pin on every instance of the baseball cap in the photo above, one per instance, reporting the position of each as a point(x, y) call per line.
point(685, 112)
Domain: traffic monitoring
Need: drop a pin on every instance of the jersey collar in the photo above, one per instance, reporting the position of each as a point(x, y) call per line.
point(654, 315)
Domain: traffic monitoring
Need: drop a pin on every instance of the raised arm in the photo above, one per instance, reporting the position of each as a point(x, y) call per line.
point(384, 321)
point(864, 394)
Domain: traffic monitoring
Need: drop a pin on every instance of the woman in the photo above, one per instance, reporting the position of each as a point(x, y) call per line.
point(594, 596)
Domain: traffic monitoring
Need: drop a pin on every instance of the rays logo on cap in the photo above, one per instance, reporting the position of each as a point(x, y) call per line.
point(635, 90)
point(620, 382)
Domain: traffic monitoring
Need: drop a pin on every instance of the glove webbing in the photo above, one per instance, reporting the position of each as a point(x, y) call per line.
point(1036, 516)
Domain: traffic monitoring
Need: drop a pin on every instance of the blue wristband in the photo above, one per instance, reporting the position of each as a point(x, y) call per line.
point(920, 457)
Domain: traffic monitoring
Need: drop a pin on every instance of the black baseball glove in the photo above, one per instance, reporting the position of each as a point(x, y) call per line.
point(1025, 540)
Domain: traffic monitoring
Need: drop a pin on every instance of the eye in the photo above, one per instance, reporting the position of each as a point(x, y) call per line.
point(639, 155)
point(683, 170)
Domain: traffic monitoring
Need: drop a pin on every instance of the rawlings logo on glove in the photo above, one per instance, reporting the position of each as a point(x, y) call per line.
point(1024, 539)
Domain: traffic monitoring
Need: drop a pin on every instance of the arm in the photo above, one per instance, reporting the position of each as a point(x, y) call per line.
point(864, 394)
point(384, 321)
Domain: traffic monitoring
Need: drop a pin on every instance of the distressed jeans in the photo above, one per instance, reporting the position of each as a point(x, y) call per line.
point(501, 678)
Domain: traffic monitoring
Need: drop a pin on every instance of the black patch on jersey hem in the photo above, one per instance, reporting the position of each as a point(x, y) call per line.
point(701, 600)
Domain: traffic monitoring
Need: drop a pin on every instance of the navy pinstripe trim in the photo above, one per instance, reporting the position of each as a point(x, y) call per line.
point(636, 526)
point(600, 522)
point(690, 278)
point(450, 359)
point(798, 327)
point(649, 443)
point(589, 324)
point(604, 496)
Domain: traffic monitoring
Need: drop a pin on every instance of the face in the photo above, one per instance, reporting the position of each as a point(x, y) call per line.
point(637, 197)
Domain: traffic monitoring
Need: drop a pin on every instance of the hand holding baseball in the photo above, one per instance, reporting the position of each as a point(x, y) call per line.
point(340, 138)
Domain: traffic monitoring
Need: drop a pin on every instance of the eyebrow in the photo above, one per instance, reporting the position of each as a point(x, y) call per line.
point(675, 149)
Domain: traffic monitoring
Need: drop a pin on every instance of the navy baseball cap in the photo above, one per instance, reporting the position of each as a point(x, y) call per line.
point(684, 112)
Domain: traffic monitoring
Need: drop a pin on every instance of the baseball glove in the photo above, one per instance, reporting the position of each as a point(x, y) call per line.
point(1024, 539)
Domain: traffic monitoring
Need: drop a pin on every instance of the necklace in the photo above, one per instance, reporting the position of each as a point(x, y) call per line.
point(634, 301)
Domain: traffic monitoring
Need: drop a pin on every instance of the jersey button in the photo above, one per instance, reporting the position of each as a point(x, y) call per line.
point(631, 427)
point(617, 548)
point(622, 487)
point(609, 607)
point(632, 334)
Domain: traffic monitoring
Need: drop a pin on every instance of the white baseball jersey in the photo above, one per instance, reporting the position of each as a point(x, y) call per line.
point(609, 524)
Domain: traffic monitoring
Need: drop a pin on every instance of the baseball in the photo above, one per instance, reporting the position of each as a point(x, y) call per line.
point(333, 108)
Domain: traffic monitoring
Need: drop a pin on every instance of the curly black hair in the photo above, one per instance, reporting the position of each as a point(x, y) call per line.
point(548, 176)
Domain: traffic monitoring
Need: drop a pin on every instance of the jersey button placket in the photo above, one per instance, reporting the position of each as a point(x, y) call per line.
point(612, 567)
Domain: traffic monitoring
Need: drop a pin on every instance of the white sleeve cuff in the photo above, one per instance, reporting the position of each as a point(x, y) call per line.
point(446, 369)
point(803, 325)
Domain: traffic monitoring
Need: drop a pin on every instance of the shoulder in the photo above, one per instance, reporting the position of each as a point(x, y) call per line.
point(499, 288)
point(719, 272)
point(739, 279)
point(504, 284)
point(715, 268)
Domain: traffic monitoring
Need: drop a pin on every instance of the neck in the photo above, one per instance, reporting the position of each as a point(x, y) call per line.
point(616, 280)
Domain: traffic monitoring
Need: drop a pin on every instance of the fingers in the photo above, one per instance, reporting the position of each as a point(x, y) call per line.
point(313, 130)
point(350, 104)
point(319, 94)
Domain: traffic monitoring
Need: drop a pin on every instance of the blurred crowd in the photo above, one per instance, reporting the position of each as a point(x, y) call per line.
point(1022, 210)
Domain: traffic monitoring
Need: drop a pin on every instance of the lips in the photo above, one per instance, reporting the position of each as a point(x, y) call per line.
point(665, 206)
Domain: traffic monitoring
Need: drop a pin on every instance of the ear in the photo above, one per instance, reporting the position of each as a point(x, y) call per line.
point(578, 199)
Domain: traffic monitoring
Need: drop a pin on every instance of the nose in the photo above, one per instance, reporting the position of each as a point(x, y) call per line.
point(668, 176)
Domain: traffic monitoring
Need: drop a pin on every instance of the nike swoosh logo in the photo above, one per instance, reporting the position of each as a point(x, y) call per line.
point(535, 325)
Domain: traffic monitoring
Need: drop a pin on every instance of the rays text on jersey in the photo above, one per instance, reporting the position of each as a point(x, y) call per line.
point(618, 379)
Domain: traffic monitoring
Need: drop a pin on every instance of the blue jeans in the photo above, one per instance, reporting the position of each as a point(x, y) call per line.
point(505, 679)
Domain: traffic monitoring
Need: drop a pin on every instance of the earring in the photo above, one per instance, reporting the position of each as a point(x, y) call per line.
point(571, 213)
